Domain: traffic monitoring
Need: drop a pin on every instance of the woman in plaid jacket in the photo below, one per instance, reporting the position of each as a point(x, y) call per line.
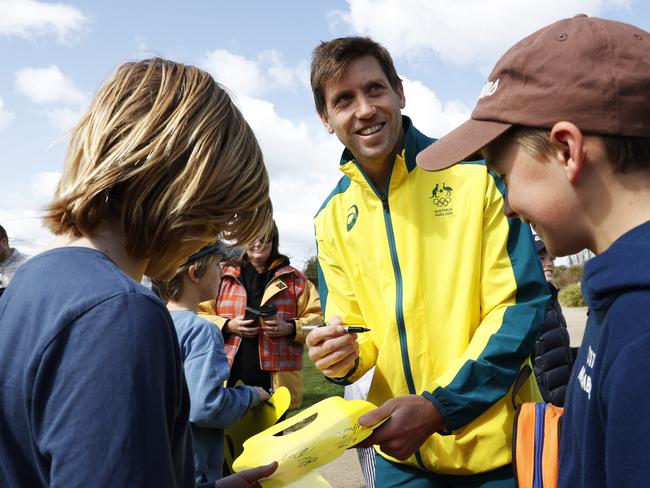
point(264, 345)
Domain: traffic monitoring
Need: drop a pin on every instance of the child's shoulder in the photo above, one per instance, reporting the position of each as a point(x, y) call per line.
point(189, 325)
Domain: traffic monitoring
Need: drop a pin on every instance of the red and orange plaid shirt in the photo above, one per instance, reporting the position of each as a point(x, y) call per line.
point(296, 299)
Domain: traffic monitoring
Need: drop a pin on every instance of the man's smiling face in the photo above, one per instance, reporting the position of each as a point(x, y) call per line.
point(364, 112)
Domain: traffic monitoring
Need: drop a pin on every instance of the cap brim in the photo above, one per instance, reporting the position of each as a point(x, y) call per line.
point(461, 144)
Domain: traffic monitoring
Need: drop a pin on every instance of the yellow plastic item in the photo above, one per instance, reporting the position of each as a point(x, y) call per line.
point(314, 437)
point(256, 420)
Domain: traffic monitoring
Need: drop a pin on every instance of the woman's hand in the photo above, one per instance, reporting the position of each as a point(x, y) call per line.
point(276, 327)
point(242, 327)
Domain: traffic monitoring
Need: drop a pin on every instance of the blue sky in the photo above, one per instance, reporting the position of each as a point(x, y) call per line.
point(55, 56)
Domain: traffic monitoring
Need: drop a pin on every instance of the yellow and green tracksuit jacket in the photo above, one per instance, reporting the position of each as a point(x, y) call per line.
point(453, 291)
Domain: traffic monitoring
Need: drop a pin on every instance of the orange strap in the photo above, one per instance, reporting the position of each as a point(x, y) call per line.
point(533, 444)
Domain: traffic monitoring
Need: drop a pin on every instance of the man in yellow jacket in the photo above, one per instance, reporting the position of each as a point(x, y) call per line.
point(451, 289)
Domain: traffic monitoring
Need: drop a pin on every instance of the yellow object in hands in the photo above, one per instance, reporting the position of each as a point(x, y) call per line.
point(314, 437)
point(256, 420)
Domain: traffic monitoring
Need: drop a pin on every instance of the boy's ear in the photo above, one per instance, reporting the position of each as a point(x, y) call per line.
point(569, 141)
point(191, 274)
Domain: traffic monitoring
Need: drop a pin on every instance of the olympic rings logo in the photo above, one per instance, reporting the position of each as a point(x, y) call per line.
point(442, 202)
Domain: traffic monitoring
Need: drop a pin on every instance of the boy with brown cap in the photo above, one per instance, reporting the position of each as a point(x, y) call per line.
point(565, 121)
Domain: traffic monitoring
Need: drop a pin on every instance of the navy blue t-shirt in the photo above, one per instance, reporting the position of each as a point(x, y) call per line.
point(92, 391)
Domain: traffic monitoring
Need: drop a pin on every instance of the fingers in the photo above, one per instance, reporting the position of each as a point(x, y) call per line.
point(321, 334)
point(375, 416)
point(240, 321)
point(335, 320)
point(242, 327)
point(248, 331)
point(335, 357)
point(367, 442)
point(262, 393)
point(372, 418)
point(413, 419)
point(276, 328)
point(258, 473)
point(388, 437)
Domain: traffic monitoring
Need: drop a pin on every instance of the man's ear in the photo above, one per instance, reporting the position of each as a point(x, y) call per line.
point(400, 94)
point(326, 122)
point(192, 275)
point(569, 142)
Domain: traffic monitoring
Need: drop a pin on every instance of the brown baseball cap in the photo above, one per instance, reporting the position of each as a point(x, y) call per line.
point(592, 72)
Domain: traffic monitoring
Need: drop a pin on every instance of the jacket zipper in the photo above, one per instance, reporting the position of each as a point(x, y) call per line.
point(399, 292)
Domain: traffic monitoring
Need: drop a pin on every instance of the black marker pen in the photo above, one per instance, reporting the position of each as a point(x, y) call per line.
point(349, 329)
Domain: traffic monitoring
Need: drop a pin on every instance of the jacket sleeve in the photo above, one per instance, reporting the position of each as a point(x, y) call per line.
point(338, 298)
point(309, 310)
point(513, 300)
point(206, 369)
point(207, 312)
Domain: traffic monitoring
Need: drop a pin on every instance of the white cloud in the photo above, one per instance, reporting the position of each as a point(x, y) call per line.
point(30, 18)
point(463, 32)
point(63, 118)
point(302, 161)
point(6, 117)
point(254, 77)
point(429, 114)
point(300, 156)
point(48, 85)
point(21, 210)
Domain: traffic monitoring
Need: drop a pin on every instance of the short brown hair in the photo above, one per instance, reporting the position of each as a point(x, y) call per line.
point(163, 150)
point(331, 58)
point(172, 289)
point(624, 154)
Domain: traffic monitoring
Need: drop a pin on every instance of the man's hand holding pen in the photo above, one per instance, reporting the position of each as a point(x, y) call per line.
point(333, 349)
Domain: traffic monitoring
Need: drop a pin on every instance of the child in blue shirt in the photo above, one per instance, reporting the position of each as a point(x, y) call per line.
point(213, 407)
point(92, 390)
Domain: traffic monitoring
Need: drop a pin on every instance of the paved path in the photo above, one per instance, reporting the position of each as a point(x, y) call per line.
point(576, 319)
point(345, 472)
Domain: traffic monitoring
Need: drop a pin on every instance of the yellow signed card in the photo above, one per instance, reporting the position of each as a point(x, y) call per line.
point(310, 439)
point(256, 420)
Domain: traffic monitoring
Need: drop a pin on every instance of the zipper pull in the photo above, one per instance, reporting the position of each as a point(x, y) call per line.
point(384, 202)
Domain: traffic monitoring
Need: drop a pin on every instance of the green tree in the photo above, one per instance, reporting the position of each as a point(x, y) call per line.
point(567, 275)
point(311, 270)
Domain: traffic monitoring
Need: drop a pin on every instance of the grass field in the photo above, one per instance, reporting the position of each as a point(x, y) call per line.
point(317, 388)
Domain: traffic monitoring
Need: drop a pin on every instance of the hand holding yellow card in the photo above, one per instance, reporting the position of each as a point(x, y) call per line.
point(313, 438)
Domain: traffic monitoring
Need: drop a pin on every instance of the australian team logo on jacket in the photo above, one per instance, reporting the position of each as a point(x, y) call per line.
point(441, 196)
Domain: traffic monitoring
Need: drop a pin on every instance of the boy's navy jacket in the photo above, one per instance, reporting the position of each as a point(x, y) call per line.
point(606, 429)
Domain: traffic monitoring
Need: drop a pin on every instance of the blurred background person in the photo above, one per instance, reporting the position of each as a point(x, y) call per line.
point(553, 357)
point(265, 347)
point(10, 260)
